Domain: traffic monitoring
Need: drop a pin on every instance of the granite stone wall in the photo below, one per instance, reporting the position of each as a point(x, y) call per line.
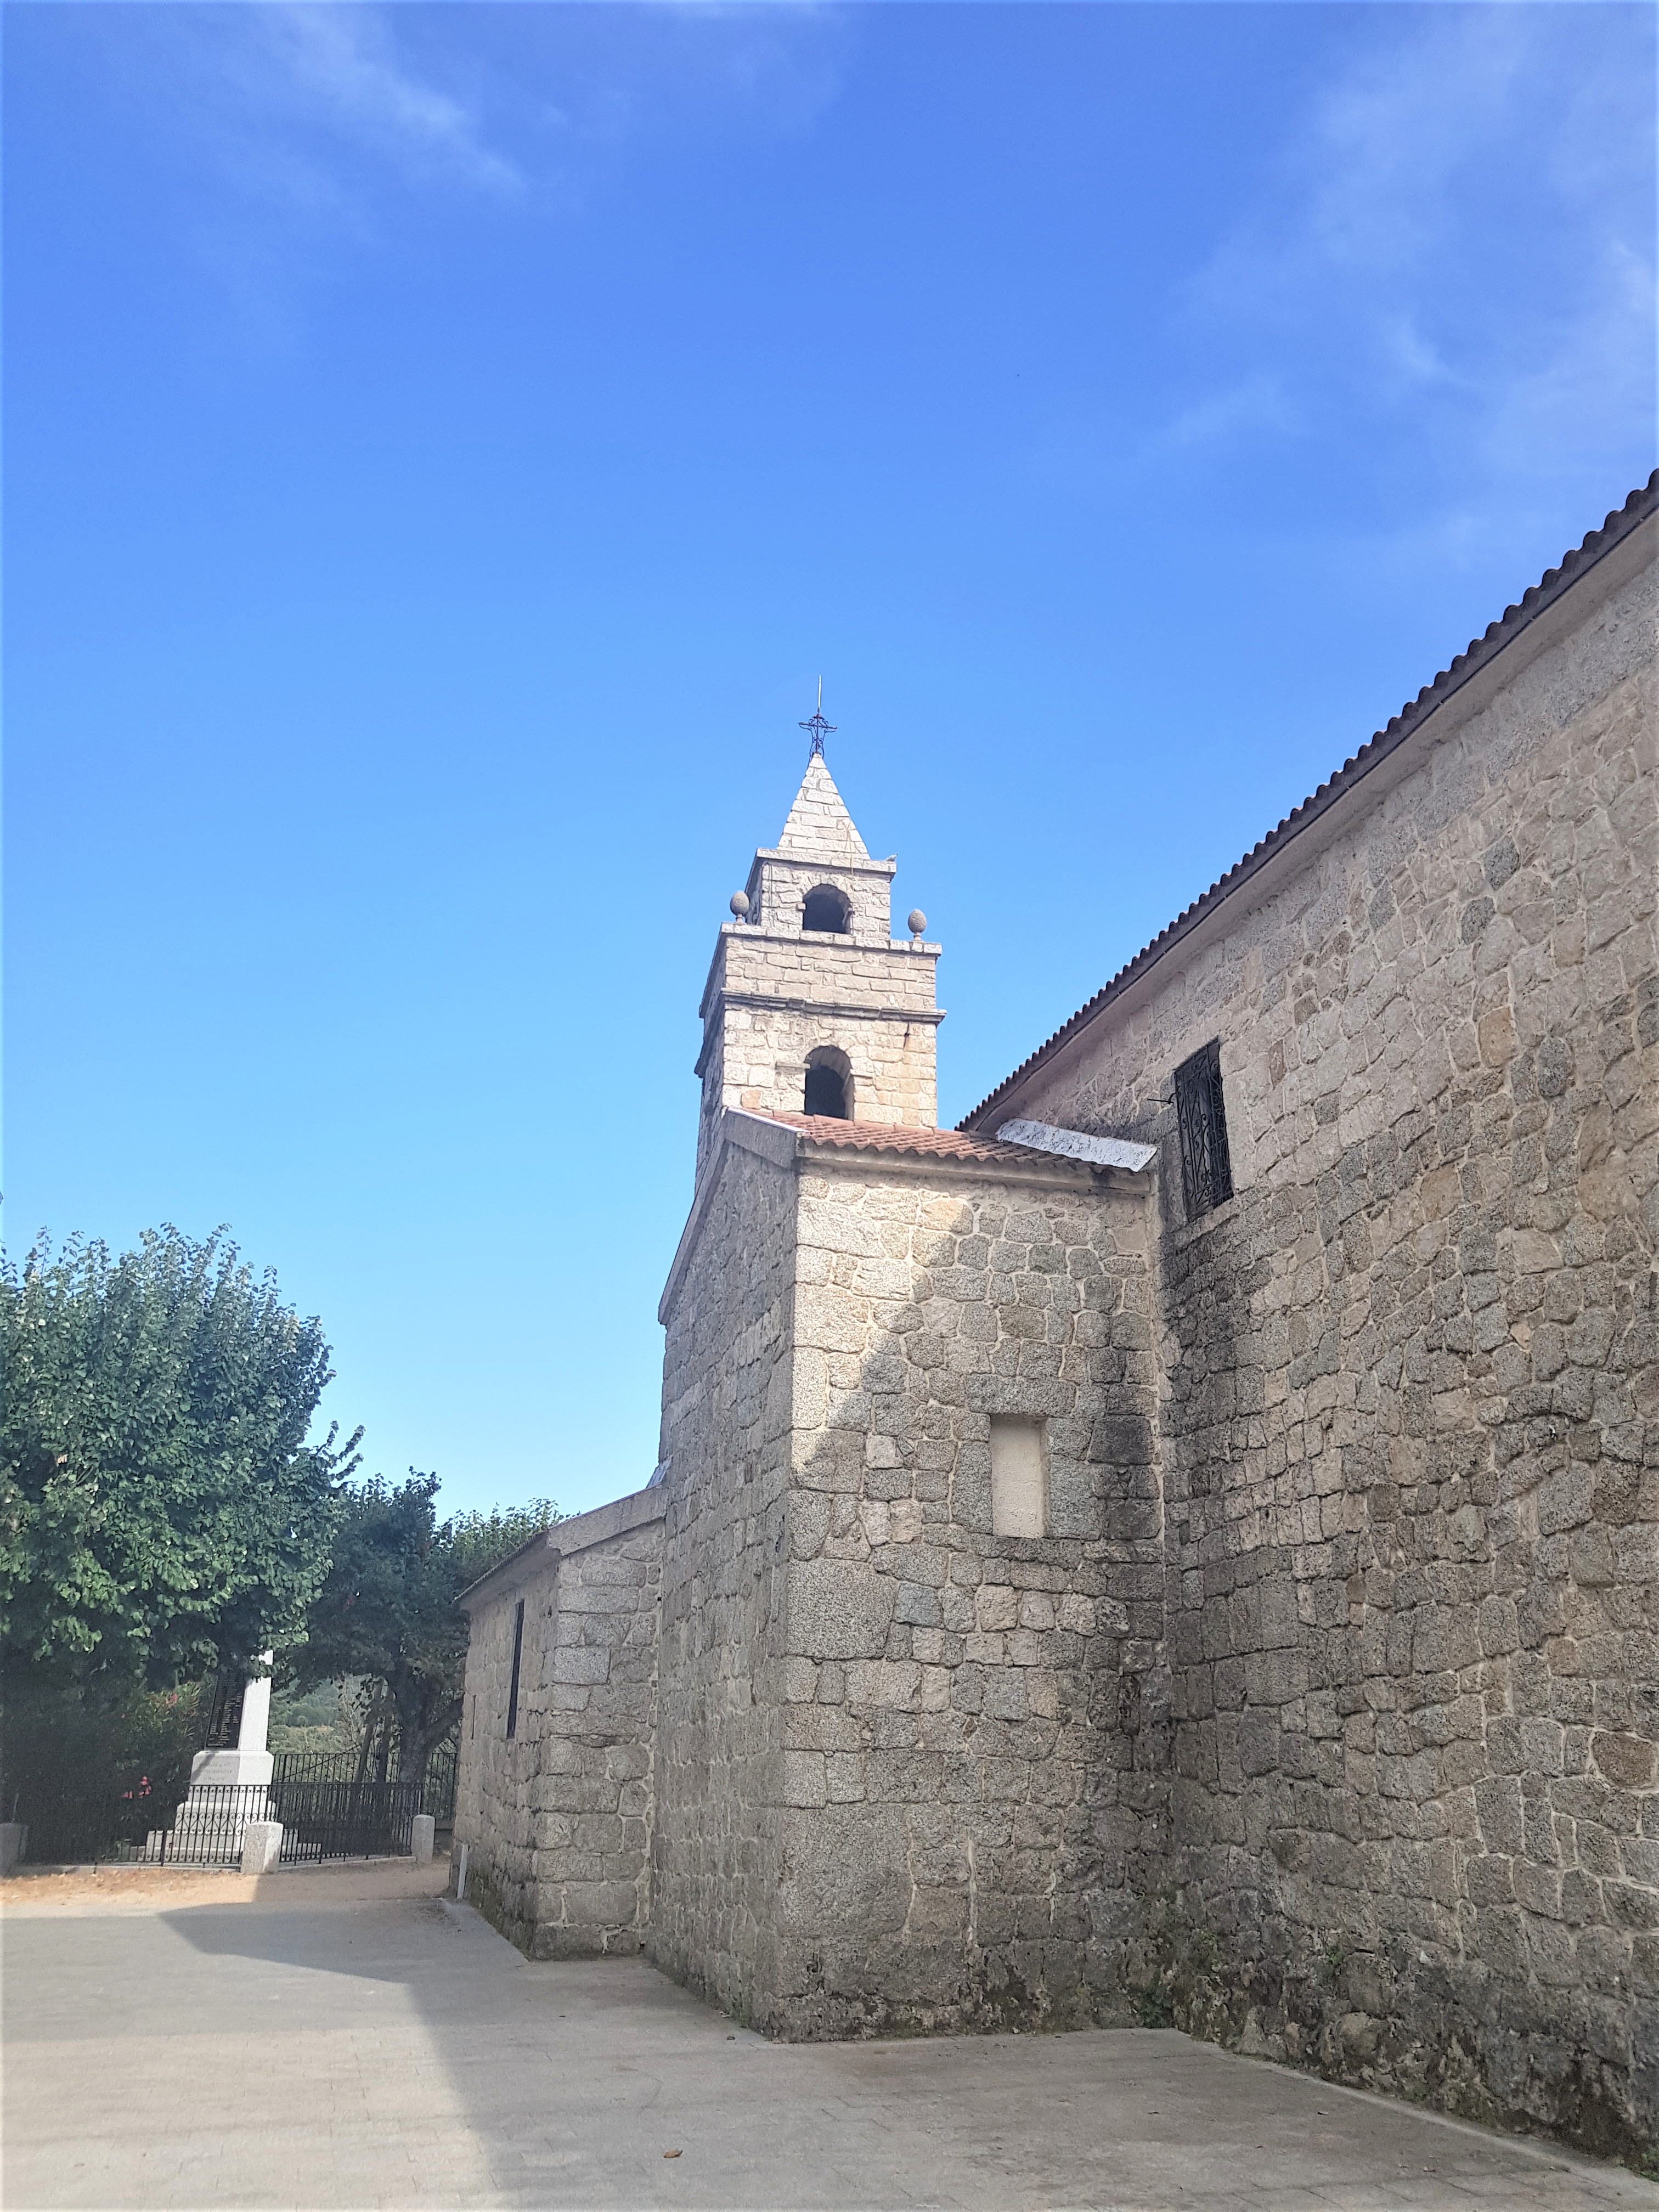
point(1322, 1718)
point(557, 1819)
point(495, 1774)
point(974, 1727)
point(772, 999)
point(716, 1850)
point(779, 882)
point(1411, 1433)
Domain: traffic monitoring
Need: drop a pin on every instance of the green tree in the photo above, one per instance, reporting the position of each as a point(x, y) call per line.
point(387, 1609)
point(161, 1513)
point(97, 1761)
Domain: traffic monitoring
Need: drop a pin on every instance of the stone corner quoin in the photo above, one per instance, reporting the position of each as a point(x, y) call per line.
point(1305, 1696)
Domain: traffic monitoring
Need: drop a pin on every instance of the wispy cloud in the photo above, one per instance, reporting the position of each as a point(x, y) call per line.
point(1255, 403)
point(334, 96)
point(1458, 238)
point(309, 131)
point(301, 125)
point(1597, 368)
point(340, 68)
point(1367, 188)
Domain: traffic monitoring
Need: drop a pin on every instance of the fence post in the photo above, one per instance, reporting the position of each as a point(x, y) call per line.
point(261, 1846)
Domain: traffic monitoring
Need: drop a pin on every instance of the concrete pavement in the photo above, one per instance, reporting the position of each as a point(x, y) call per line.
point(345, 2039)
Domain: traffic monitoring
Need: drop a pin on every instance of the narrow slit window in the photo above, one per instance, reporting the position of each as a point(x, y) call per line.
point(1019, 1479)
point(1206, 1167)
point(518, 1653)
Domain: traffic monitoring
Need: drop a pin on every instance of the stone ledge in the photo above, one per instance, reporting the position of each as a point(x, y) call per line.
point(579, 1533)
point(794, 856)
point(868, 1010)
point(1052, 1173)
point(1189, 1232)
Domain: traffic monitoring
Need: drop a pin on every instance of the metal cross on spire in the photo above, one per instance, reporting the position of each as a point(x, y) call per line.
point(818, 727)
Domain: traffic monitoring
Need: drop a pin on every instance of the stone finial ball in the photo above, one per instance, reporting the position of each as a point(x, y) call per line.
point(918, 921)
point(740, 904)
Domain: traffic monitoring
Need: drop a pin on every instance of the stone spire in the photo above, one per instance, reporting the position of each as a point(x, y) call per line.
point(819, 827)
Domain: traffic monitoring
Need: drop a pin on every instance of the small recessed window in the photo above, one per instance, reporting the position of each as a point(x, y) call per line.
point(1206, 1168)
point(826, 907)
point(828, 1083)
point(1019, 1479)
point(518, 1653)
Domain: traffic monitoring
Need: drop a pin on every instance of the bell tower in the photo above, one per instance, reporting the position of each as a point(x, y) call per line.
point(811, 1005)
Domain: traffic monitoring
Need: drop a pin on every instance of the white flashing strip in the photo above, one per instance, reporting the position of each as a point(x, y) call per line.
point(1073, 1145)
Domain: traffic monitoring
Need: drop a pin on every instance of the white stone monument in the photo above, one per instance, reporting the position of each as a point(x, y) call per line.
point(209, 1826)
point(250, 1762)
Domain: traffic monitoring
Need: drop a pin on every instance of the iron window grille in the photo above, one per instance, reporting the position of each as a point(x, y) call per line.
point(1206, 1168)
point(518, 1652)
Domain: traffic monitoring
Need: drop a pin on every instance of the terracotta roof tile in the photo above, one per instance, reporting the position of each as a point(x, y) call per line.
point(1642, 502)
point(888, 1137)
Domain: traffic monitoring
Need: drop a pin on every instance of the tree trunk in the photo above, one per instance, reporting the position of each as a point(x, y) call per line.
point(371, 1728)
point(414, 1742)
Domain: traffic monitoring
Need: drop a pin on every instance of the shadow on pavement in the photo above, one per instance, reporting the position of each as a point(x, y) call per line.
point(319, 2047)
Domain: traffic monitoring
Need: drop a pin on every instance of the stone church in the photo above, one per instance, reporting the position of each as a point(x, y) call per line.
point(1179, 1547)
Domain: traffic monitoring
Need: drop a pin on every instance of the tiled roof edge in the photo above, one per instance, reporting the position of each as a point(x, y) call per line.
point(898, 1137)
point(823, 1137)
point(1642, 502)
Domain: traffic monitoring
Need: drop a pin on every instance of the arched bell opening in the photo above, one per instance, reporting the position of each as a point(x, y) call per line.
point(827, 908)
point(828, 1083)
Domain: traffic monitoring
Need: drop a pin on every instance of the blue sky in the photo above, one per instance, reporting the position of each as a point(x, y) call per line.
point(445, 444)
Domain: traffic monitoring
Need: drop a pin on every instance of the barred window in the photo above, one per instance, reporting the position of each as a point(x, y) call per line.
point(518, 1653)
point(1206, 1168)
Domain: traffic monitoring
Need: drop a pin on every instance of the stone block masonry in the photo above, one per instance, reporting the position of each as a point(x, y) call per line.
point(1411, 1426)
point(910, 1773)
point(974, 1775)
point(778, 992)
point(717, 1850)
point(557, 1816)
point(1054, 1606)
point(771, 999)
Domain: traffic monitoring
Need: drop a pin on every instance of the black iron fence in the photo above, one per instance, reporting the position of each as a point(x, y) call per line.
point(208, 1828)
point(435, 1796)
point(321, 1819)
point(327, 1811)
point(343, 1819)
point(77, 1818)
point(438, 1792)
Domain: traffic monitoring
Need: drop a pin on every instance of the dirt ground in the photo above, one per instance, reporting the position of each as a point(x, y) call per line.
point(30, 1890)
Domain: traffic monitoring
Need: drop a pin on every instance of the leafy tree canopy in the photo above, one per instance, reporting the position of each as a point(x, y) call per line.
point(387, 1609)
point(160, 1512)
